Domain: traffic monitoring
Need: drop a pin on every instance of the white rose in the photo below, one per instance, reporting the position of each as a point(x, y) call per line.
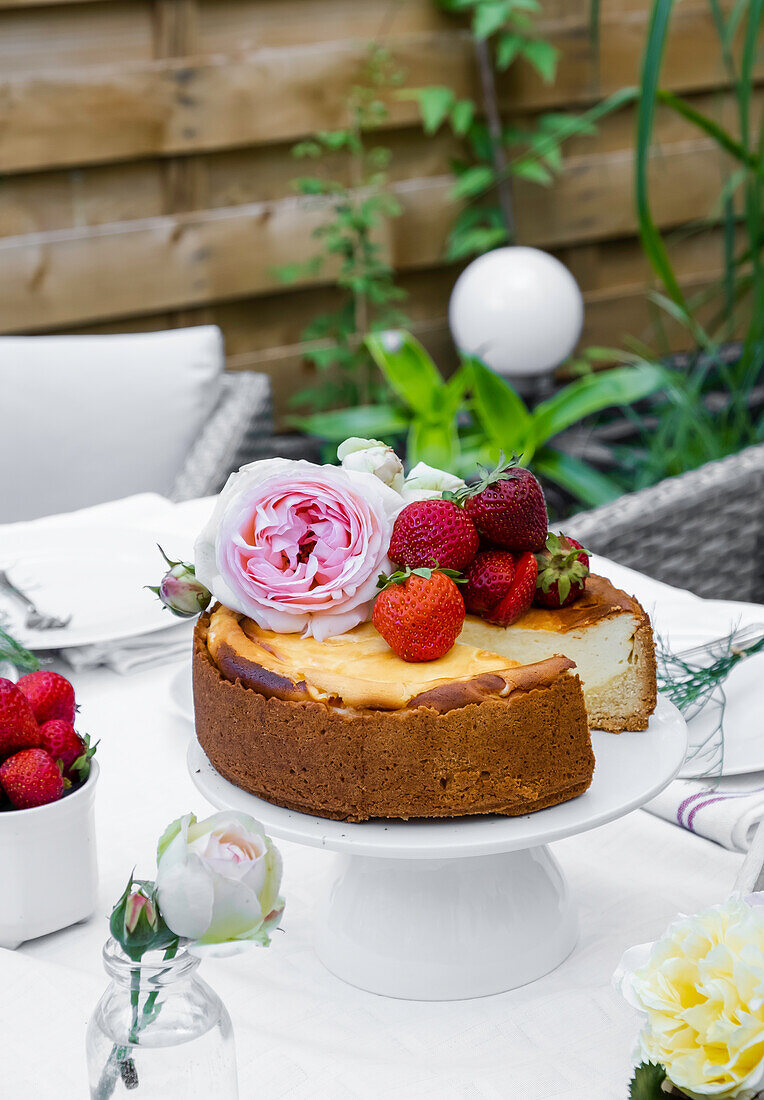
point(218, 882)
point(701, 990)
point(426, 482)
point(371, 456)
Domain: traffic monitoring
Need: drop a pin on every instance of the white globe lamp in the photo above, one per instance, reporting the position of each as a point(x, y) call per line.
point(519, 310)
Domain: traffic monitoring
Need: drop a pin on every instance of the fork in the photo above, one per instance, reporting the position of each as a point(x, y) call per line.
point(35, 619)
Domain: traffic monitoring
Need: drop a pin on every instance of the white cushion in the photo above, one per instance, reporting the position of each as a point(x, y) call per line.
point(91, 418)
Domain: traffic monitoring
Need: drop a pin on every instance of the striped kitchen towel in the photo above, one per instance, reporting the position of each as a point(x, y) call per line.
point(726, 811)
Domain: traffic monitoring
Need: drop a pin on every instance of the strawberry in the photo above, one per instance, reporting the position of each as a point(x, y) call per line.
point(507, 506)
point(61, 741)
point(520, 595)
point(489, 578)
point(18, 726)
point(419, 613)
point(563, 566)
point(49, 695)
point(431, 533)
point(31, 778)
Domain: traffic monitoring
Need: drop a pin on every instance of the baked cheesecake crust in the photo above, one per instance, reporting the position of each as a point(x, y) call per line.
point(511, 748)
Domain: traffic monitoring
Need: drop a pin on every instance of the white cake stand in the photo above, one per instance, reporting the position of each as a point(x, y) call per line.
point(455, 908)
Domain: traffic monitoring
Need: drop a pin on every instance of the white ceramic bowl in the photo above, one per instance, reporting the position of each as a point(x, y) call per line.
point(48, 867)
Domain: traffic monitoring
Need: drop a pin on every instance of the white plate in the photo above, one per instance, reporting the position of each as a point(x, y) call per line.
point(182, 692)
point(96, 574)
point(631, 768)
point(744, 691)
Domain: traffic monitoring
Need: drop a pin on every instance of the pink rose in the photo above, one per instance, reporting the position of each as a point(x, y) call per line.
point(298, 547)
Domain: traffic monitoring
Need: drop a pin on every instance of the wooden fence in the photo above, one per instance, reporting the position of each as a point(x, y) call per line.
point(146, 166)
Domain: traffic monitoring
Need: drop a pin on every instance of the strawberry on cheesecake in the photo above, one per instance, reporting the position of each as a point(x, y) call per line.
point(330, 681)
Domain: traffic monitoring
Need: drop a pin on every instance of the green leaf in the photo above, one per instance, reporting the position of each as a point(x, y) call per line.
point(586, 484)
point(14, 652)
point(542, 56)
point(532, 170)
point(367, 421)
point(435, 103)
point(407, 367)
point(500, 410)
point(490, 17)
point(431, 442)
point(473, 182)
point(593, 392)
point(462, 115)
point(507, 48)
point(646, 1082)
point(471, 241)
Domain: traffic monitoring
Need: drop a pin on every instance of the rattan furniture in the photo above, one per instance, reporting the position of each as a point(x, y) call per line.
point(236, 432)
point(703, 530)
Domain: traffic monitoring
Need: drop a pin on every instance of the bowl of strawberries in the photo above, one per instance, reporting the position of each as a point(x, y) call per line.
point(48, 869)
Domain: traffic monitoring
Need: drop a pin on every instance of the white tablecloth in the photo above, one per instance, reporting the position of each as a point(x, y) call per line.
point(300, 1032)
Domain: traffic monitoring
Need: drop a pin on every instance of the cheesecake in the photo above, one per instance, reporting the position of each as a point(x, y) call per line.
point(605, 632)
point(345, 729)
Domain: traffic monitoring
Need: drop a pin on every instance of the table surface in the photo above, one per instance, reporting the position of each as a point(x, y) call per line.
point(300, 1032)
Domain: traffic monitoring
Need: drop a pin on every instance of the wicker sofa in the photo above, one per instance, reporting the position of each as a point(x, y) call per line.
point(703, 531)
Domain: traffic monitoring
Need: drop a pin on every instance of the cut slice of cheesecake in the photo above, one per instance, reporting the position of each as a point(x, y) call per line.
point(608, 635)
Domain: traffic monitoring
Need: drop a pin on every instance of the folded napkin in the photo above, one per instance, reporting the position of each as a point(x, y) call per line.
point(133, 654)
point(727, 812)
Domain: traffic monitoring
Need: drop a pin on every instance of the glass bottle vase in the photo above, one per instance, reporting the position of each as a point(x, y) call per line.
point(159, 1032)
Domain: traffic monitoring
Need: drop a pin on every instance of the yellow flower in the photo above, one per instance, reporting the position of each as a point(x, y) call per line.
point(702, 989)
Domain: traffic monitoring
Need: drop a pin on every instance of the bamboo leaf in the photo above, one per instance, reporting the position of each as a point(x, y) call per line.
point(588, 485)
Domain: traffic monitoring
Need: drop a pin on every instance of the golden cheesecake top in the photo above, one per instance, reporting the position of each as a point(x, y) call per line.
point(358, 669)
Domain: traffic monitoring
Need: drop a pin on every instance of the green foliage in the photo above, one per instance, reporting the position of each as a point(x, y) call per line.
point(646, 1082)
point(476, 416)
point(707, 412)
point(350, 250)
point(13, 652)
point(506, 28)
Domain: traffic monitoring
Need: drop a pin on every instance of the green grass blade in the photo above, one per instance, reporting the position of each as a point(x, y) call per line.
point(652, 242)
point(723, 138)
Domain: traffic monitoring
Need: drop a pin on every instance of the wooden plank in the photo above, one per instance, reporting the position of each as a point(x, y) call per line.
point(269, 95)
point(75, 38)
point(264, 333)
point(189, 259)
point(34, 202)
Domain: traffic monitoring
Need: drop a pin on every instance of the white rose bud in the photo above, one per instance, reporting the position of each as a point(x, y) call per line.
point(427, 482)
point(371, 456)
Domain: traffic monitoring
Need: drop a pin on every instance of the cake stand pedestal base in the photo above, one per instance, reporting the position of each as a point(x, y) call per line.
point(445, 929)
point(449, 908)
